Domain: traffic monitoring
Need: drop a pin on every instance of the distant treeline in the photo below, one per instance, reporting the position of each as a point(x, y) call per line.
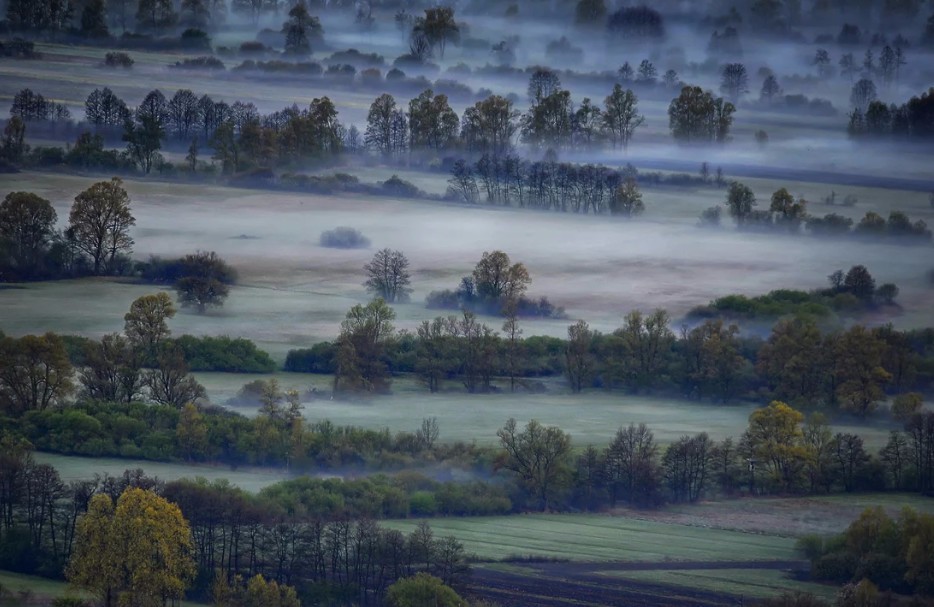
point(911, 121)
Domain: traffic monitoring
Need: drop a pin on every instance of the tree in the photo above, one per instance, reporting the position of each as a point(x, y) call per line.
point(792, 362)
point(422, 590)
point(538, 455)
point(13, 145)
point(27, 224)
point(145, 324)
point(627, 199)
point(195, 13)
point(590, 12)
point(770, 89)
point(906, 405)
point(191, 433)
point(740, 201)
point(364, 334)
point(543, 83)
point(379, 124)
point(100, 221)
point(822, 62)
point(860, 375)
point(139, 553)
point(788, 212)
point(632, 467)
point(639, 22)
point(497, 281)
point(696, 116)
point(734, 81)
point(647, 72)
point(155, 14)
point(859, 282)
point(646, 342)
point(432, 122)
point(862, 94)
point(204, 280)
point(621, 116)
point(170, 383)
point(103, 108)
point(94, 19)
point(438, 27)
point(773, 440)
point(549, 123)
point(848, 67)
point(686, 466)
point(489, 126)
point(35, 373)
point(143, 141)
point(301, 30)
point(388, 276)
point(578, 359)
point(112, 370)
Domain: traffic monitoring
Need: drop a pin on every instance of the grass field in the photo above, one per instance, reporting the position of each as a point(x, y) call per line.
point(80, 468)
point(587, 537)
point(747, 583)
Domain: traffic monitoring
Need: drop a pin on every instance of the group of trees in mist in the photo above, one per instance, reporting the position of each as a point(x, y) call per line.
point(877, 552)
point(509, 180)
point(241, 138)
point(790, 215)
point(911, 121)
point(136, 538)
point(853, 370)
point(96, 242)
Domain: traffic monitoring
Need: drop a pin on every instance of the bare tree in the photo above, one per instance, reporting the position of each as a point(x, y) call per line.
point(388, 276)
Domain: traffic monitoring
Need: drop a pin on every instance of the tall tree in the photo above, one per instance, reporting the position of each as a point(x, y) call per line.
point(170, 383)
point(388, 276)
point(774, 440)
point(632, 466)
point(489, 126)
point(432, 122)
point(364, 334)
point(302, 30)
point(27, 224)
point(100, 221)
point(627, 199)
point(145, 324)
point(155, 14)
point(138, 553)
point(94, 19)
point(696, 116)
point(204, 280)
point(35, 373)
point(734, 81)
point(621, 116)
point(740, 201)
point(143, 141)
point(438, 27)
point(579, 361)
point(538, 455)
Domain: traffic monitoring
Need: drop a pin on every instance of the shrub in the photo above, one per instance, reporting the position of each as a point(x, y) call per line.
point(193, 38)
point(224, 354)
point(118, 59)
point(320, 358)
point(200, 63)
point(344, 238)
point(253, 46)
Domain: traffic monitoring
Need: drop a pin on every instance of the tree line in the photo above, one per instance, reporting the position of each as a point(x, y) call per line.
point(789, 214)
point(853, 369)
point(202, 537)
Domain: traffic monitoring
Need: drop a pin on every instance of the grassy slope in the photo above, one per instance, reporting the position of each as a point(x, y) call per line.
point(587, 537)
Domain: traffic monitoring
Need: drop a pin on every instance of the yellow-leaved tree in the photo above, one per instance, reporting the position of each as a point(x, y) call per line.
point(138, 553)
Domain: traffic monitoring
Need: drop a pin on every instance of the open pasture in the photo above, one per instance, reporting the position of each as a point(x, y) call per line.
point(293, 292)
point(73, 468)
point(592, 537)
